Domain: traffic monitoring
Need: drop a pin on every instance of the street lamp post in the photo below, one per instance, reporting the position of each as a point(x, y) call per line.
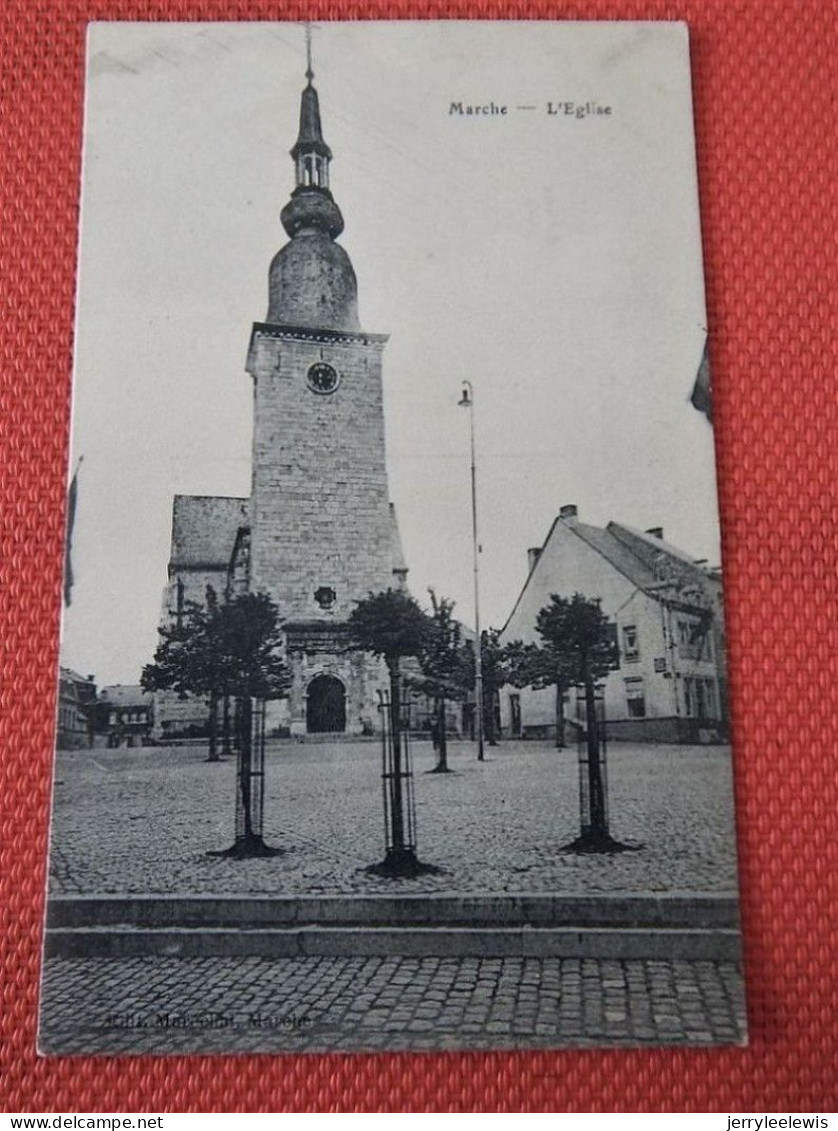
point(467, 401)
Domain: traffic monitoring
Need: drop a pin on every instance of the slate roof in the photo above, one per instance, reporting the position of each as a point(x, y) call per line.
point(204, 529)
point(633, 552)
point(68, 673)
point(616, 552)
point(125, 695)
point(310, 136)
point(648, 549)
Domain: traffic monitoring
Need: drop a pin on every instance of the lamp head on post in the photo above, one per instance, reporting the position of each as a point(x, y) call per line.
point(467, 399)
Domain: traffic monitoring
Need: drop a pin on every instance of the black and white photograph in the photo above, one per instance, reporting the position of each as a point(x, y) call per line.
point(393, 708)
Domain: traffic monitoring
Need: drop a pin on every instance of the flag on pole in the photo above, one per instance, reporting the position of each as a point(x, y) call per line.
point(702, 392)
point(72, 497)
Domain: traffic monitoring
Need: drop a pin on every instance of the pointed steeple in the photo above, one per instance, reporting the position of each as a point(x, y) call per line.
point(311, 203)
point(310, 138)
point(312, 282)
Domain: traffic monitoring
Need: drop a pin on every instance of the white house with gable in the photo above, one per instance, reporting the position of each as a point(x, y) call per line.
point(671, 683)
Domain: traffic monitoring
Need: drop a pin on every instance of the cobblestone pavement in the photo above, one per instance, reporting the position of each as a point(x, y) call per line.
point(143, 820)
point(342, 1004)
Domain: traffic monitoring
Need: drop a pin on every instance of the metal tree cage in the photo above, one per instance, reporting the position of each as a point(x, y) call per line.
point(250, 774)
point(592, 749)
point(397, 779)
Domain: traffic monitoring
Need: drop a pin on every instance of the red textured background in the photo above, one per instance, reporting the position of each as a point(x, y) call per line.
point(765, 85)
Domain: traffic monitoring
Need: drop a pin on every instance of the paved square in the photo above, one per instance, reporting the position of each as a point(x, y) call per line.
point(144, 820)
point(366, 1004)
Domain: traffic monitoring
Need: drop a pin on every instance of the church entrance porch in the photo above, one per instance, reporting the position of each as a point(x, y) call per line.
point(325, 706)
point(334, 689)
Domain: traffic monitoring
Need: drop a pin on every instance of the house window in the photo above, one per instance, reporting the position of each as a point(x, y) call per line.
point(689, 696)
point(701, 707)
point(635, 699)
point(515, 715)
point(710, 699)
point(631, 643)
point(690, 640)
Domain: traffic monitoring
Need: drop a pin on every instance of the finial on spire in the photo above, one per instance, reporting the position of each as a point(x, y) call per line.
point(309, 70)
point(311, 203)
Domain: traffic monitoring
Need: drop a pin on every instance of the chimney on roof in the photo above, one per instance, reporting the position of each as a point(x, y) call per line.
point(533, 554)
point(91, 678)
point(656, 532)
point(569, 512)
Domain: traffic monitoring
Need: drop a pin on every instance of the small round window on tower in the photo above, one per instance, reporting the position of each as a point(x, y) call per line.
point(322, 378)
point(325, 597)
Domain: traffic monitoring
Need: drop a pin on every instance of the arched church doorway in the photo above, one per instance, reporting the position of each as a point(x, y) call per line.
point(325, 705)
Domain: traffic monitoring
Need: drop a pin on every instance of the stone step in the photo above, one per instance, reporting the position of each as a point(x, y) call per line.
point(681, 910)
point(717, 945)
point(316, 738)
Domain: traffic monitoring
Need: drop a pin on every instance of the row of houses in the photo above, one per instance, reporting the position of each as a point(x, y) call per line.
point(670, 684)
point(117, 715)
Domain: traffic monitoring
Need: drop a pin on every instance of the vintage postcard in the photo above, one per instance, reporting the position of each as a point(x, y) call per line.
point(393, 707)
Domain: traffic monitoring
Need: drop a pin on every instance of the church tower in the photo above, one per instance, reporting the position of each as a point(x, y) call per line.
point(323, 533)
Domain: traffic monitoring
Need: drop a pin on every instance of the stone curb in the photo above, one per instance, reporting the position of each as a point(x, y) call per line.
point(504, 942)
point(682, 910)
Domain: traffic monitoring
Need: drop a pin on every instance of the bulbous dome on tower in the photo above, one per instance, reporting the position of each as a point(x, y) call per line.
point(312, 284)
point(311, 280)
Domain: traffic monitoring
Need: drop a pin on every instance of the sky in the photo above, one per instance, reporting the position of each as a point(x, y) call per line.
point(551, 259)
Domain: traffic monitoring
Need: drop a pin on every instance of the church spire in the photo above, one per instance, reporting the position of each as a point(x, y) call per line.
point(311, 153)
point(311, 204)
point(311, 281)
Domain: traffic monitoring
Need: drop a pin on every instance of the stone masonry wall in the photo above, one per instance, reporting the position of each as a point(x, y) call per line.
point(320, 508)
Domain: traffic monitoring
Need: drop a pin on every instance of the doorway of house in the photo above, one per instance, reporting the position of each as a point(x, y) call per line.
point(515, 715)
point(326, 705)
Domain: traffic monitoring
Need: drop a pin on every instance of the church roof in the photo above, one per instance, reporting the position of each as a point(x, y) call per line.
point(311, 282)
point(204, 529)
point(310, 137)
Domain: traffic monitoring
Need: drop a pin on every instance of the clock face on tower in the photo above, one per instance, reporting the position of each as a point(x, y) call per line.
point(322, 378)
